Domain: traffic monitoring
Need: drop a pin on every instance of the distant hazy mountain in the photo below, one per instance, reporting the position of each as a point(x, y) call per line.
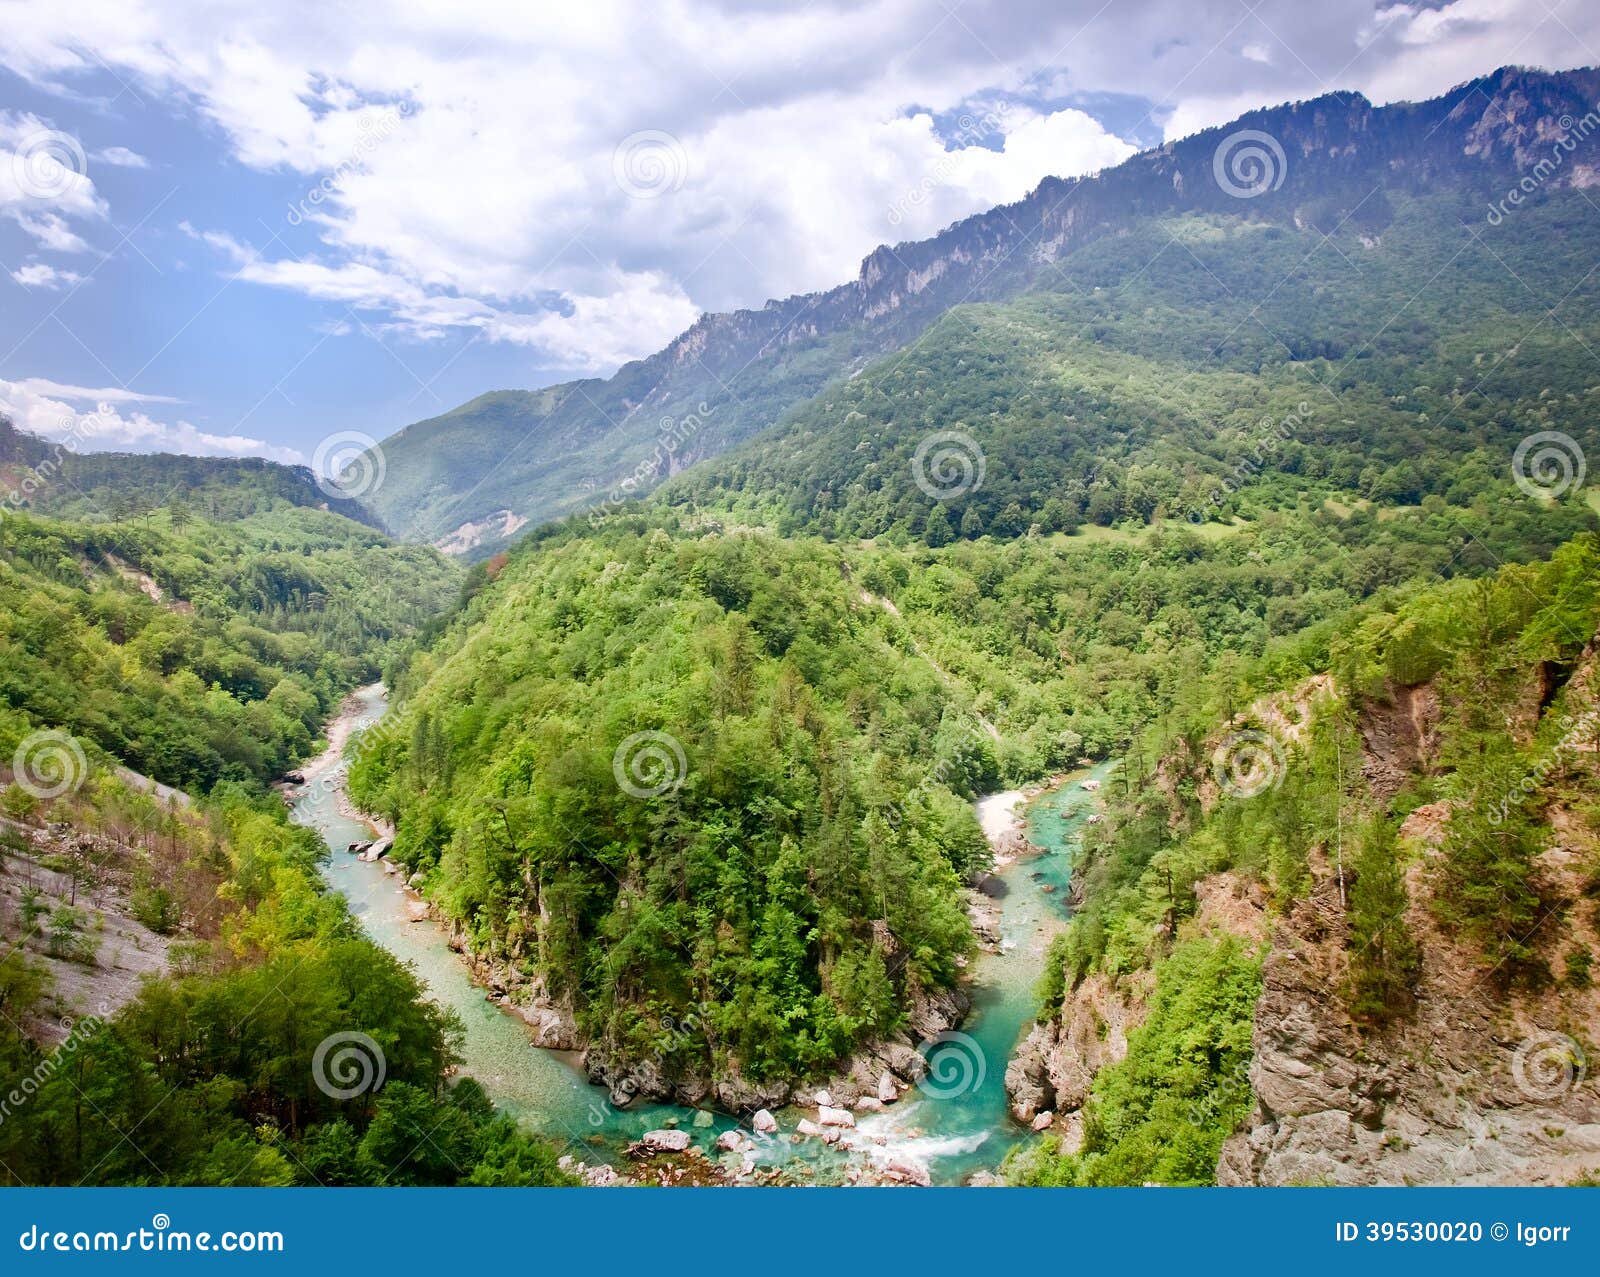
point(515, 456)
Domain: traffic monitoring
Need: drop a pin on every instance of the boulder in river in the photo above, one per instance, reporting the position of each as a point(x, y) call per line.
point(823, 1099)
point(764, 1122)
point(665, 1141)
point(904, 1171)
point(869, 1104)
point(830, 1116)
point(808, 1127)
point(703, 1119)
point(729, 1141)
point(888, 1092)
point(1043, 1121)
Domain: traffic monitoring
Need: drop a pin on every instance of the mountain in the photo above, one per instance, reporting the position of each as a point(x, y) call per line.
point(53, 478)
point(192, 645)
point(512, 456)
point(1198, 368)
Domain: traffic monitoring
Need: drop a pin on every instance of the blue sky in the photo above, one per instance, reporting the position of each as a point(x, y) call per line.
point(230, 228)
point(159, 312)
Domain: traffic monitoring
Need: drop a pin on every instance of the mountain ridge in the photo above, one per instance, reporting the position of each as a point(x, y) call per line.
point(544, 453)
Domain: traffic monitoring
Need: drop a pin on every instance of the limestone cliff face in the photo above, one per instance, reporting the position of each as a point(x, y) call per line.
point(1475, 1087)
point(1479, 1084)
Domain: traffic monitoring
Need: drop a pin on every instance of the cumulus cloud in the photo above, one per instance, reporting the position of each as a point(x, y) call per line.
point(43, 275)
point(90, 420)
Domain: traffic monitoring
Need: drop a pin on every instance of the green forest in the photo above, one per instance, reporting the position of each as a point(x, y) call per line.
point(1198, 369)
point(206, 654)
point(1510, 638)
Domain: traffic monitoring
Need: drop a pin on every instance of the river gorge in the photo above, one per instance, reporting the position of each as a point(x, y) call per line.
point(952, 1126)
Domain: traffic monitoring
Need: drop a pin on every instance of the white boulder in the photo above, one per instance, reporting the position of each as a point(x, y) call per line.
point(835, 1117)
point(664, 1141)
point(764, 1122)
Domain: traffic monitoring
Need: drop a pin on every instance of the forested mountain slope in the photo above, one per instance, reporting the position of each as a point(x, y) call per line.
point(61, 479)
point(701, 793)
point(1202, 367)
point(194, 648)
point(1346, 167)
point(182, 1000)
point(1340, 928)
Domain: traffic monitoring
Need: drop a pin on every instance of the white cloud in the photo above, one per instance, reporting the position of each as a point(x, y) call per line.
point(89, 394)
point(44, 181)
point(42, 275)
point(52, 232)
point(121, 157)
point(49, 409)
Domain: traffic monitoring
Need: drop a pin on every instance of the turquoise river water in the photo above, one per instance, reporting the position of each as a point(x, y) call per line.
point(953, 1125)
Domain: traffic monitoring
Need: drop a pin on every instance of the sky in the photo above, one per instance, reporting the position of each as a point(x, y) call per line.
point(242, 228)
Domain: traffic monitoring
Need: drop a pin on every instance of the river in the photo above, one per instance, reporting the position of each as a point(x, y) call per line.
point(950, 1135)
